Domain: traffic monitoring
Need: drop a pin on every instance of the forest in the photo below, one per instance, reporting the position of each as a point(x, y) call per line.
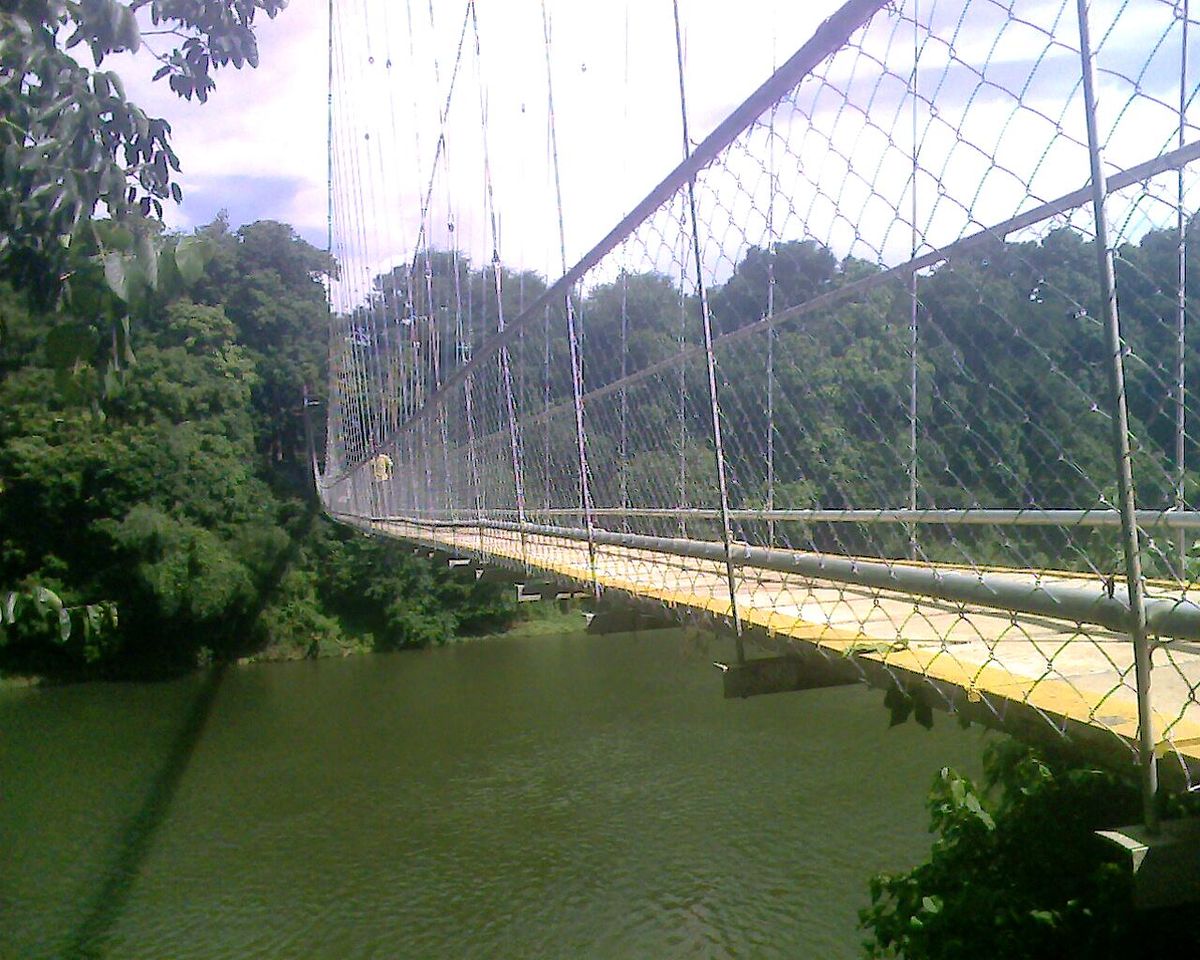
point(156, 474)
point(1012, 393)
point(156, 496)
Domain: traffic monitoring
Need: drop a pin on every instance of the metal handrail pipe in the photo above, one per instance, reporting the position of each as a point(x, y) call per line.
point(1170, 519)
point(1103, 603)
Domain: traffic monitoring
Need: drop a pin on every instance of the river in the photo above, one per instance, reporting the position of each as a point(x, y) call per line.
point(569, 796)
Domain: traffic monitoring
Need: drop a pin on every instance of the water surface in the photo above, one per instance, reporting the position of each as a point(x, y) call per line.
point(549, 797)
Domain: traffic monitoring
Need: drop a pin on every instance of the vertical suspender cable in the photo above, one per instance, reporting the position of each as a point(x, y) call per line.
point(511, 410)
point(362, 428)
point(375, 307)
point(468, 388)
point(435, 345)
point(329, 147)
point(1120, 435)
point(710, 359)
point(330, 427)
point(505, 359)
point(585, 494)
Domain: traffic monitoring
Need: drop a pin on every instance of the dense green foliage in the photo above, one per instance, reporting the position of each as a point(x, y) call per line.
point(1018, 871)
point(1012, 388)
point(176, 497)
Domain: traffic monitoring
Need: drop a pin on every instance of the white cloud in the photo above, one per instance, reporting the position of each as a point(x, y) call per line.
point(617, 122)
point(267, 124)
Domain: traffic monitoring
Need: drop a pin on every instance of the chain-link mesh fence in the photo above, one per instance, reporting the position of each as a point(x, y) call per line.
point(845, 378)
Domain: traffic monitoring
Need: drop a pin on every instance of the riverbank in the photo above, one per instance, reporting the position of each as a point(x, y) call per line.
point(537, 620)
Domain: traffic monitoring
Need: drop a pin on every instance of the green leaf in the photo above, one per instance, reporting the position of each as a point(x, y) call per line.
point(114, 236)
point(147, 256)
point(971, 802)
point(126, 342)
point(94, 619)
point(127, 33)
point(115, 274)
point(191, 256)
point(47, 601)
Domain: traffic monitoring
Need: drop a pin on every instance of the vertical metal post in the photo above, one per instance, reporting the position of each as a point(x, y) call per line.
point(771, 254)
point(426, 456)
point(710, 361)
point(1181, 305)
point(681, 410)
point(1120, 436)
point(513, 433)
point(435, 350)
point(623, 467)
point(912, 316)
point(411, 460)
point(585, 494)
point(623, 479)
point(309, 443)
point(546, 504)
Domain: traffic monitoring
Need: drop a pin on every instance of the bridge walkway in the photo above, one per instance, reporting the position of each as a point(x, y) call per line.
point(1021, 669)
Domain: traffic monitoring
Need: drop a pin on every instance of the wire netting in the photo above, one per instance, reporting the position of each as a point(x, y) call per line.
point(842, 379)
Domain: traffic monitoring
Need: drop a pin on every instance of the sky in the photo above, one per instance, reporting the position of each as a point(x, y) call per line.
point(257, 148)
point(842, 160)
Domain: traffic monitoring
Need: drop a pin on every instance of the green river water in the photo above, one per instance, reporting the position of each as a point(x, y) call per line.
point(569, 796)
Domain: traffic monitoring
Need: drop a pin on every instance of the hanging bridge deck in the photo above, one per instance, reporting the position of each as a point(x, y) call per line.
point(1016, 667)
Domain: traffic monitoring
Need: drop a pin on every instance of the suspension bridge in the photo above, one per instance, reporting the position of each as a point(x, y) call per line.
point(887, 371)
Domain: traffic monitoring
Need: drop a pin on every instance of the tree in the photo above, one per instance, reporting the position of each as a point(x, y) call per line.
point(174, 508)
point(158, 508)
point(70, 140)
point(270, 283)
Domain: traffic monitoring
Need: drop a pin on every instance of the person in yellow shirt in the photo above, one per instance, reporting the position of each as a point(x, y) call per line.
point(381, 472)
point(381, 468)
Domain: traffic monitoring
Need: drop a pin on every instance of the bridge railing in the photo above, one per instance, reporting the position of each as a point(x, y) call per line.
point(919, 305)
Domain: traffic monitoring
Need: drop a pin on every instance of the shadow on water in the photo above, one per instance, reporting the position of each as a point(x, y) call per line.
point(87, 940)
point(135, 839)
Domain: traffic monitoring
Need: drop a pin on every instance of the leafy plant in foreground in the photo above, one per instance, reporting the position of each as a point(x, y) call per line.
point(1017, 871)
